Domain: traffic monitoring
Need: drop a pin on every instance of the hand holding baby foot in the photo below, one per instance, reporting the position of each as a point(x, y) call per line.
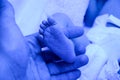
point(14, 50)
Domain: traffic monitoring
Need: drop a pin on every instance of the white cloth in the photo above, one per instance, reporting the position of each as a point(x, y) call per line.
point(97, 59)
point(105, 50)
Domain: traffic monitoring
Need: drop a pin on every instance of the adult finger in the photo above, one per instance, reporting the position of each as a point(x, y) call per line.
point(80, 44)
point(35, 42)
point(74, 32)
point(80, 49)
point(73, 75)
point(49, 56)
point(61, 67)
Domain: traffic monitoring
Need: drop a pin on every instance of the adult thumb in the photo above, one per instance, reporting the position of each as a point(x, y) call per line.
point(6, 11)
point(12, 42)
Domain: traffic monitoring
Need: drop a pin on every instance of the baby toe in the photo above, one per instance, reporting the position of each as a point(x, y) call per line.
point(43, 27)
point(51, 21)
point(46, 23)
point(41, 31)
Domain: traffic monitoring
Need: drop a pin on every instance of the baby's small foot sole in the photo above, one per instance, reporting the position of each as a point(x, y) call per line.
point(59, 43)
point(54, 37)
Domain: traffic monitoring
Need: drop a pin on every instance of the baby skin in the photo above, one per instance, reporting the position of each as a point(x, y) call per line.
point(57, 38)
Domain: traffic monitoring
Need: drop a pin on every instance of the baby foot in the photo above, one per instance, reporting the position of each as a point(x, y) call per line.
point(55, 39)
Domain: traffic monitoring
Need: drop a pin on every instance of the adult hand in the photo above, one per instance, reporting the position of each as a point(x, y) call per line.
point(18, 56)
point(46, 65)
